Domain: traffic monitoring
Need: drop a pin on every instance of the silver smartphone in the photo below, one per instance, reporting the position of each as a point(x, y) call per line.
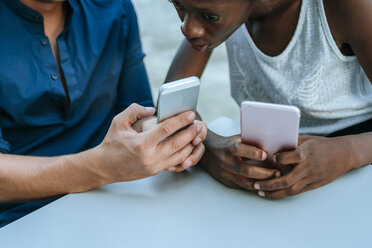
point(271, 127)
point(177, 97)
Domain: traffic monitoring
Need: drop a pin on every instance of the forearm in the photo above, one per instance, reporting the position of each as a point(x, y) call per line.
point(212, 139)
point(187, 62)
point(25, 178)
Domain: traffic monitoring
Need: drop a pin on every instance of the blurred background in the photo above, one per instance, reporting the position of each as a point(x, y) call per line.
point(161, 36)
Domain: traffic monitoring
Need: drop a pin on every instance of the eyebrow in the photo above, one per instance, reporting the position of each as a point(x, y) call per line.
point(205, 10)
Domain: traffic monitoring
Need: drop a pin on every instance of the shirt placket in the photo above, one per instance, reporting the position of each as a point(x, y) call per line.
point(51, 75)
point(68, 71)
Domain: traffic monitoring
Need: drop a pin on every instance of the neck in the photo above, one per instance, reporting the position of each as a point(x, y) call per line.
point(265, 8)
point(53, 13)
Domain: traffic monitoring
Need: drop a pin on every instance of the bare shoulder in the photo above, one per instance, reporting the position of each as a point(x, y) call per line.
point(349, 20)
point(350, 23)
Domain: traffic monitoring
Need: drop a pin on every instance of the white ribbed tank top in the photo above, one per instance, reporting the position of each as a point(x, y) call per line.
point(331, 89)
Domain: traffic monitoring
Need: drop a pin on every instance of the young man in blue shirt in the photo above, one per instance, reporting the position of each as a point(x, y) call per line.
point(69, 73)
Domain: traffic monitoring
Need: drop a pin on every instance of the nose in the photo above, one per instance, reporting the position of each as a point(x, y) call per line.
point(192, 28)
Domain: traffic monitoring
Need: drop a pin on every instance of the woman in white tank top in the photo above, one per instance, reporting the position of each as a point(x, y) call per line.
point(315, 54)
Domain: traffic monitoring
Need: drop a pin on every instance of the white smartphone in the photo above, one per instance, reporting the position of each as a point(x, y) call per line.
point(177, 97)
point(271, 127)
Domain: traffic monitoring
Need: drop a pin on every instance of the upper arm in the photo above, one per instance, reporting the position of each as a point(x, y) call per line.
point(134, 84)
point(353, 22)
point(187, 62)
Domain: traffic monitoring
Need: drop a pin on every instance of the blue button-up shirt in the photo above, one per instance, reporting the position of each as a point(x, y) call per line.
point(102, 61)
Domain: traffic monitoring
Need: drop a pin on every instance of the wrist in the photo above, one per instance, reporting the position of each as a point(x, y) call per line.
point(214, 140)
point(353, 151)
point(89, 163)
point(360, 149)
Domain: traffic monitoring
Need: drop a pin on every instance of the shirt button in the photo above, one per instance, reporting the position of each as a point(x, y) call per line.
point(44, 42)
point(54, 77)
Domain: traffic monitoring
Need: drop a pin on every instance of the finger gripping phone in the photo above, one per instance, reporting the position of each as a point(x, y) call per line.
point(177, 97)
point(271, 127)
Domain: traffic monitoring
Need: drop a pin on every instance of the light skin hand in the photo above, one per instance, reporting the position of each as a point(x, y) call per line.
point(198, 151)
point(226, 160)
point(128, 155)
point(318, 161)
point(148, 123)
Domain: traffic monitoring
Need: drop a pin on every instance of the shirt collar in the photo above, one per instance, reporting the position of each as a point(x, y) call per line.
point(29, 14)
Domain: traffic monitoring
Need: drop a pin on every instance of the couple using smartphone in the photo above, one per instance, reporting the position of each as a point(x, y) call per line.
point(66, 119)
point(293, 52)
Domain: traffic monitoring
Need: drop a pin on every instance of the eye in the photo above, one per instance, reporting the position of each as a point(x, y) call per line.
point(211, 18)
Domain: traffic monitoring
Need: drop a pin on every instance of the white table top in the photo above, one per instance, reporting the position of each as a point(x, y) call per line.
point(193, 210)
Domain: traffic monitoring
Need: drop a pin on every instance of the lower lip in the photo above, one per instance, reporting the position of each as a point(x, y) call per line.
point(201, 48)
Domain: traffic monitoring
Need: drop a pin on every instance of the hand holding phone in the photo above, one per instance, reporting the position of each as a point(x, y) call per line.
point(174, 98)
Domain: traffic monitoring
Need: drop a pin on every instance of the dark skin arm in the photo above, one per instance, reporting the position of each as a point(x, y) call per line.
point(223, 154)
point(350, 24)
point(321, 160)
point(187, 62)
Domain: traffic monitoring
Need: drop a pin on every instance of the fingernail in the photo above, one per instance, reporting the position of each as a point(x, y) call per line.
point(198, 141)
point(274, 158)
point(172, 169)
point(188, 164)
point(277, 174)
point(261, 193)
point(191, 116)
point(256, 186)
point(264, 156)
point(149, 109)
point(198, 126)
